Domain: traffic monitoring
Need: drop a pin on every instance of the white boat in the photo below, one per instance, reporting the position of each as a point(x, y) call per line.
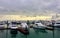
point(23, 28)
point(57, 24)
point(24, 25)
point(12, 26)
point(39, 26)
point(2, 26)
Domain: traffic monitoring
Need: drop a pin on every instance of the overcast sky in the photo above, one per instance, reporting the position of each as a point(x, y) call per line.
point(28, 6)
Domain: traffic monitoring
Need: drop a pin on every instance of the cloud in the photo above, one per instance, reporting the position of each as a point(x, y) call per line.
point(2, 7)
point(31, 5)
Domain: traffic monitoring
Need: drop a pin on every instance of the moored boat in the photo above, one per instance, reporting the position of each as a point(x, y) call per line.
point(23, 29)
point(39, 26)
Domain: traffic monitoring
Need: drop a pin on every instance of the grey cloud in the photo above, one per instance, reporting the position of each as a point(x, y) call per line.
point(30, 5)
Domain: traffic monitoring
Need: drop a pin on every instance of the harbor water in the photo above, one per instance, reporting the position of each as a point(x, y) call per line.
point(32, 34)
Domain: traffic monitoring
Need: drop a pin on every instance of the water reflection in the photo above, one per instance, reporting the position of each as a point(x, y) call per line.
point(34, 33)
point(1, 30)
point(13, 33)
point(39, 30)
point(1, 33)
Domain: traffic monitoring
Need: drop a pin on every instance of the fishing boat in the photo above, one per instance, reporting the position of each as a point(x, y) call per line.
point(23, 29)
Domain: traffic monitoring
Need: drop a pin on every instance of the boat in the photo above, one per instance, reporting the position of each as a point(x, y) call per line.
point(2, 26)
point(13, 28)
point(39, 26)
point(55, 24)
point(13, 25)
point(23, 29)
point(49, 28)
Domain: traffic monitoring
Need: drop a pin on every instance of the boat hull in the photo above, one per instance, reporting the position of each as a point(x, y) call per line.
point(23, 31)
point(42, 28)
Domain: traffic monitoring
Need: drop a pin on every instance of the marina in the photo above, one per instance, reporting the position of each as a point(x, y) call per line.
point(27, 29)
point(29, 18)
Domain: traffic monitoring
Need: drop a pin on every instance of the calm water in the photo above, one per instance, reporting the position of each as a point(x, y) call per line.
point(33, 34)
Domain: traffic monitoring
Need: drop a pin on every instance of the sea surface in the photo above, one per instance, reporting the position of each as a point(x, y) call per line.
point(33, 33)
